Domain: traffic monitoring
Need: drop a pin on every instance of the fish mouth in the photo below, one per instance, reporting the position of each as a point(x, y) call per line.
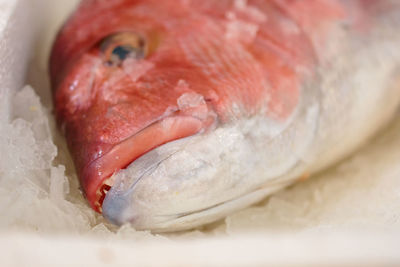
point(121, 155)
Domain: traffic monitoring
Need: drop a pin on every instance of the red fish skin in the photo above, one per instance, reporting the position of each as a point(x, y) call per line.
point(106, 111)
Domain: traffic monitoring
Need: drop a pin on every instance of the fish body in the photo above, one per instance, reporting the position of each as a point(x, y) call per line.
point(180, 112)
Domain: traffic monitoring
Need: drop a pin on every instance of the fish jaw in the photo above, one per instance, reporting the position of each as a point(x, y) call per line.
point(176, 187)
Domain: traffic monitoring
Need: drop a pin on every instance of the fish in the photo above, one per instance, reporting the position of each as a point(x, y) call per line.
point(178, 113)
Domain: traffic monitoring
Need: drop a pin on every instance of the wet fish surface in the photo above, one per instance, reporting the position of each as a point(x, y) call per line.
point(180, 112)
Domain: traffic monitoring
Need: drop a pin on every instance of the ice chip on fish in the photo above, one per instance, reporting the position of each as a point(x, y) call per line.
point(178, 113)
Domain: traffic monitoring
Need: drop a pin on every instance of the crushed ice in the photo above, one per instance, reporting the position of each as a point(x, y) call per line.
point(37, 194)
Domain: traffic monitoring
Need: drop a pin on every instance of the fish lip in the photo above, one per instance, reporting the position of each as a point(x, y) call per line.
point(99, 172)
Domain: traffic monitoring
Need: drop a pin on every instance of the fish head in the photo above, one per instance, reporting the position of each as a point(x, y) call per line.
point(138, 85)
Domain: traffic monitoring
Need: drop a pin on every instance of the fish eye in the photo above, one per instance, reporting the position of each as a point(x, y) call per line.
point(118, 47)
